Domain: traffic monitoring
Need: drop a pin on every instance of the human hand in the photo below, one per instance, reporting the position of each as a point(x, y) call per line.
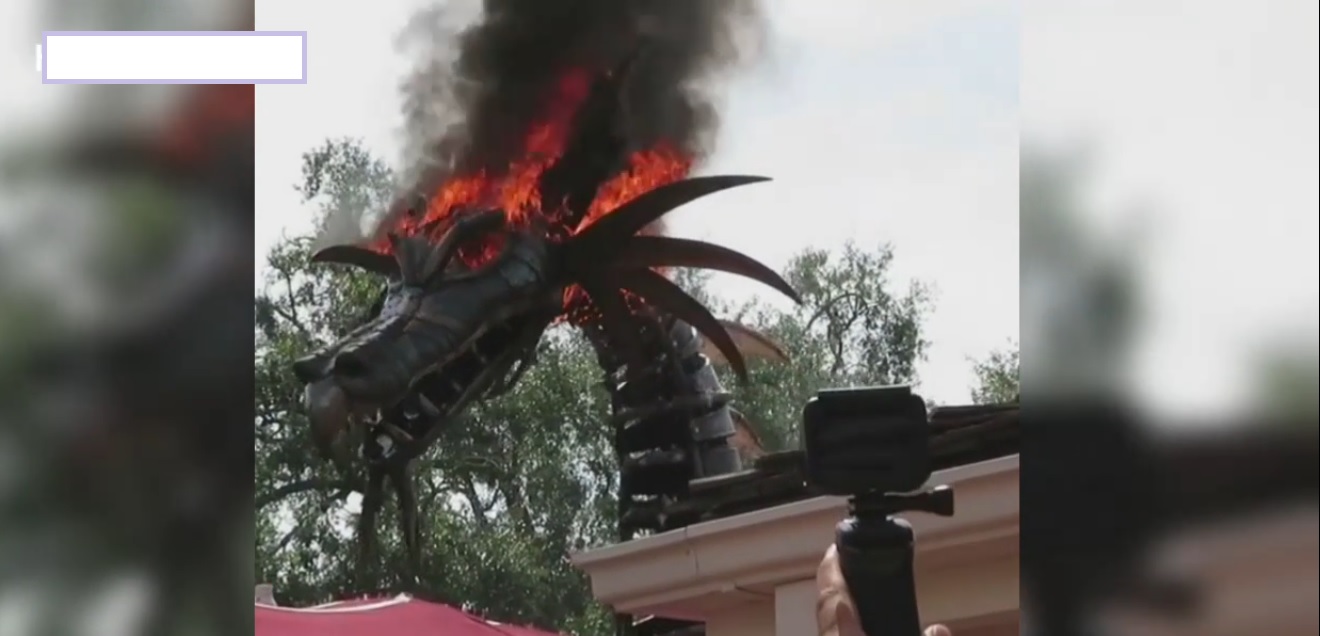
point(835, 613)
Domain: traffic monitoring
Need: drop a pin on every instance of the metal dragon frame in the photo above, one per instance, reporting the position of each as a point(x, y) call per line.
point(450, 330)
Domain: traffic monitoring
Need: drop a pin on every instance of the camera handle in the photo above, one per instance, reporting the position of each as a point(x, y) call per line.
point(876, 554)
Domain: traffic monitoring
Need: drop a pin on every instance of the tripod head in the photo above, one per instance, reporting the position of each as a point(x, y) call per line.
point(872, 445)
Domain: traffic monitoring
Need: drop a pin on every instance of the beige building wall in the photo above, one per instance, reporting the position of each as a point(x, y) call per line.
point(753, 574)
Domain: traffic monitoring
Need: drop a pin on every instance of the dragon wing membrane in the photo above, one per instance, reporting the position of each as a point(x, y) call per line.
point(750, 342)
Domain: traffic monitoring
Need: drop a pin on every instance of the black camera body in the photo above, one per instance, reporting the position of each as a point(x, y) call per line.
point(865, 440)
point(872, 445)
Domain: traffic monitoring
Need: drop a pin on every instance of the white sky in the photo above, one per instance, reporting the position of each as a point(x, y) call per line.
point(879, 121)
point(1205, 117)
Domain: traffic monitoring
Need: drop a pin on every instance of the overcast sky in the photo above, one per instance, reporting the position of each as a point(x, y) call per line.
point(878, 121)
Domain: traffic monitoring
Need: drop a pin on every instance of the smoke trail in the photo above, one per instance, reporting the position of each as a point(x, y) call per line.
point(475, 91)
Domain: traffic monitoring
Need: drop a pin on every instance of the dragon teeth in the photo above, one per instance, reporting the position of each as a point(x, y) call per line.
point(427, 406)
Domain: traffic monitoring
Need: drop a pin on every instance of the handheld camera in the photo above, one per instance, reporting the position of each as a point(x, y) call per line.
point(872, 445)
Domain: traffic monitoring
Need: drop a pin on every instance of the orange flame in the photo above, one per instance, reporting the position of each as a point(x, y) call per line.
point(515, 189)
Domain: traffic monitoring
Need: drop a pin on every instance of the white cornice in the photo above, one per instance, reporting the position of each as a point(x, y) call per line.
point(696, 570)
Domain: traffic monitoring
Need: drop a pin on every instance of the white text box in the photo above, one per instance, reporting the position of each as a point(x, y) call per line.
point(171, 57)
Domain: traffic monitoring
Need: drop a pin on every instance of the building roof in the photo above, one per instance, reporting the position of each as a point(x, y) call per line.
point(959, 436)
point(373, 617)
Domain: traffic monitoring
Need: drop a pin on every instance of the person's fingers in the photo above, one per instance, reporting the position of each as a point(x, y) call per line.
point(829, 576)
point(835, 615)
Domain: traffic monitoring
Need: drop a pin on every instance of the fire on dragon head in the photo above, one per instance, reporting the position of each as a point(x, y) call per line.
point(492, 260)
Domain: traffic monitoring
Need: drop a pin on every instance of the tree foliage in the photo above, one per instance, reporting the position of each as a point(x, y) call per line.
point(997, 377)
point(524, 480)
point(852, 329)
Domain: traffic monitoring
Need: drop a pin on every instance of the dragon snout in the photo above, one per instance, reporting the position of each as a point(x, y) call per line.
point(363, 374)
point(332, 407)
point(347, 383)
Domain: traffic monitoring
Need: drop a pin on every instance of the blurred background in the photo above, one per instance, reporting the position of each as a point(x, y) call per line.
point(125, 313)
point(1169, 316)
point(1168, 214)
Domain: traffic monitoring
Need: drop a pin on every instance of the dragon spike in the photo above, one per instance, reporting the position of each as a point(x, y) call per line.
point(666, 296)
point(614, 315)
point(629, 218)
point(462, 231)
point(412, 253)
point(641, 252)
point(359, 257)
point(429, 228)
point(750, 342)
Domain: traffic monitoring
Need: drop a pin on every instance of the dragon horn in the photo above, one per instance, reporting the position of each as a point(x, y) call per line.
point(670, 298)
point(641, 252)
point(360, 257)
point(629, 218)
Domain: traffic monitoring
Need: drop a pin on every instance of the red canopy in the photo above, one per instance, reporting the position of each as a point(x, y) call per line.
point(400, 616)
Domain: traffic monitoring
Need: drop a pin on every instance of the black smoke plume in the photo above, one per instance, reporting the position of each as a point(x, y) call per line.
point(476, 90)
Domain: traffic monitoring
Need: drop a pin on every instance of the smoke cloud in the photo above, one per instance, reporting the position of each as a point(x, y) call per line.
point(477, 89)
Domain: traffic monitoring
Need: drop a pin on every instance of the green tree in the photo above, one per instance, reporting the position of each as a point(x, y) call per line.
point(997, 377)
point(523, 480)
point(506, 494)
point(853, 328)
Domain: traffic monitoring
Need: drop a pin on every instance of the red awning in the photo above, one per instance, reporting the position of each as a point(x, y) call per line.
point(400, 616)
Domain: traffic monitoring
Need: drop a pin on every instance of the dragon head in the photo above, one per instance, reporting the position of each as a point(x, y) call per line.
point(445, 333)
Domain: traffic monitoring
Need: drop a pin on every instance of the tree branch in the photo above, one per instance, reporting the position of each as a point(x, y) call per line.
point(305, 485)
point(828, 306)
point(290, 315)
point(479, 507)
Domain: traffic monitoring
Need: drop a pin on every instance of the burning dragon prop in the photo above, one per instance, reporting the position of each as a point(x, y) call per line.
point(476, 276)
